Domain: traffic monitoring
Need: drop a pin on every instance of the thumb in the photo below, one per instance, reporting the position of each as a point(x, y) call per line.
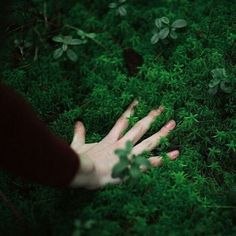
point(79, 135)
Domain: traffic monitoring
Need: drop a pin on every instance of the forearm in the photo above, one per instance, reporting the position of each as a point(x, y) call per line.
point(28, 148)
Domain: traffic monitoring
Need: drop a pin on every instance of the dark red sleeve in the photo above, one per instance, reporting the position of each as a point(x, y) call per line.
point(28, 148)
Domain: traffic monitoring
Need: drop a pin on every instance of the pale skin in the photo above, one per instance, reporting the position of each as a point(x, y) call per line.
point(98, 159)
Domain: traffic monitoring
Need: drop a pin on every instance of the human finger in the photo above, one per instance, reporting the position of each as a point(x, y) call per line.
point(79, 135)
point(157, 161)
point(150, 143)
point(141, 127)
point(122, 123)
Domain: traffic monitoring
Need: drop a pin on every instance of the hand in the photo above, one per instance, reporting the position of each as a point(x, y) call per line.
point(98, 159)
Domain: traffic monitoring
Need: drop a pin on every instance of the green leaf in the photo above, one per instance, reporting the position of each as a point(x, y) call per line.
point(121, 1)
point(64, 47)
point(139, 160)
point(219, 73)
point(158, 23)
point(214, 82)
point(164, 33)
point(226, 88)
point(128, 146)
point(120, 152)
point(155, 38)
point(165, 20)
point(72, 55)
point(75, 42)
point(180, 23)
point(173, 34)
point(112, 5)
point(122, 11)
point(57, 53)
point(91, 35)
point(119, 169)
point(81, 33)
point(213, 91)
point(58, 39)
point(135, 171)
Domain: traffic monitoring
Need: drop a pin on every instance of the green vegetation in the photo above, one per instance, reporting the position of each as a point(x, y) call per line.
point(164, 28)
point(195, 195)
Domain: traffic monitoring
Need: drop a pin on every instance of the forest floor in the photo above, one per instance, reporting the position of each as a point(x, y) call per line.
point(115, 58)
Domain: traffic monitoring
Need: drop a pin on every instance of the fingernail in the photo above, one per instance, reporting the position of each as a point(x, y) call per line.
point(174, 154)
point(171, 124)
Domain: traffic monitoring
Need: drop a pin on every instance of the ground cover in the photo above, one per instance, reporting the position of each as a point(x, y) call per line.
point(112, 60)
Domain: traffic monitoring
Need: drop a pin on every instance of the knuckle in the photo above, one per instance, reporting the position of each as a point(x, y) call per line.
point(121, 120)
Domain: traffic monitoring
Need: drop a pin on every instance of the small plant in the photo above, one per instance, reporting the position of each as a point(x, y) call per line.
point(65, 42)
point(119, 6)
point(163, 29)
point(129, 167)
point(219, 80)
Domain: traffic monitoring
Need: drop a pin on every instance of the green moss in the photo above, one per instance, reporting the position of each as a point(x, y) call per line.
point(194, 195)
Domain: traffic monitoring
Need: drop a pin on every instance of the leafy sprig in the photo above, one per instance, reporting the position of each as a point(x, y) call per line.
point(164, 29)
point(66, 42)
point(219, 81)
point(129, 166)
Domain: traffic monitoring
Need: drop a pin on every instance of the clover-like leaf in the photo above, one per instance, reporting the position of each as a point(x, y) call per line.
point(57, 53)
point(134, 171)
point(155, 38)
point(180, 23)
point(219, 73)
point(173, 34)
point(140, 160)
point(158, 23)
point(119, 169)
point(225, 86)
point(91, 35)
point(122, 11)
point(75, 42)
point(58, 39)
point(64, 47)
point(165, 20)
point(213, 91)
point(164, 33)
point(214, 82)
point(81, 33)
point(72, 55)
point(112, 5)
point(128, 146)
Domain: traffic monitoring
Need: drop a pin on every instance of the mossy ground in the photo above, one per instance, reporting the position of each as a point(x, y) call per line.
point(194, 195)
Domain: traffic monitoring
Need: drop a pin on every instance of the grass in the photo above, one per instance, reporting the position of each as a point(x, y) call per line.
point(194, 195)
